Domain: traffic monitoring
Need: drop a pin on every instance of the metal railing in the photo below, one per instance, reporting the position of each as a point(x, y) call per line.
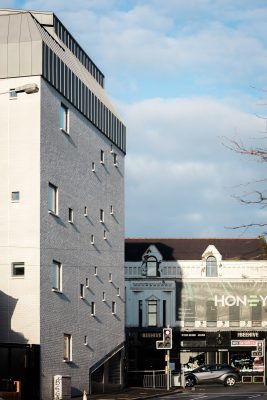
point(148, 378)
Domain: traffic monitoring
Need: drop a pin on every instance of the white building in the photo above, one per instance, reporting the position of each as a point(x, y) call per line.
point(211, 292)
point(62, 148)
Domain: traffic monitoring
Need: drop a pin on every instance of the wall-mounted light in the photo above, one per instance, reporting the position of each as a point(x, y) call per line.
point(28, 88)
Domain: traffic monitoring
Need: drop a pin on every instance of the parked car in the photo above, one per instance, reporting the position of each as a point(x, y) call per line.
point(218, 373)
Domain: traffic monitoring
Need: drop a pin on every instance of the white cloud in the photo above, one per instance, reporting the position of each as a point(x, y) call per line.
point(181, 73)
point(179, 175)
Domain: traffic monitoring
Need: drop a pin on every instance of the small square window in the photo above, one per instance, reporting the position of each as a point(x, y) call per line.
point(15, 196)
point(67, 352)
point(18, 269)
point(13, 94)
point(64, 118)
point(71, 215)
point(92, 239)
point(93, 308)
point(102, 157)
point(101, 215)
point(113, 307)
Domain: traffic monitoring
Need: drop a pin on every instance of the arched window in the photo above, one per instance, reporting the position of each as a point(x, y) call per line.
point(152, 266)
point(211, 266)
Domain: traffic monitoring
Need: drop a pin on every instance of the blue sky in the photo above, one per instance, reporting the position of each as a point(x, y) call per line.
point(186, 76)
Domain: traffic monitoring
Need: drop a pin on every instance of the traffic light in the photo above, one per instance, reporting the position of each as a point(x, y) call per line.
point(167, 338)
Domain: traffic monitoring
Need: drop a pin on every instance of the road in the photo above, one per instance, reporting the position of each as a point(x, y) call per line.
point(238, 392)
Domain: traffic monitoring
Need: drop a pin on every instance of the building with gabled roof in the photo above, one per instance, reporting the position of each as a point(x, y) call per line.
point(62, 148)
point(212, 293)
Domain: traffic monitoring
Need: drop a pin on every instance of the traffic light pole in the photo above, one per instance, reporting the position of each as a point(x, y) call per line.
point(168, 369)
point(264, 361)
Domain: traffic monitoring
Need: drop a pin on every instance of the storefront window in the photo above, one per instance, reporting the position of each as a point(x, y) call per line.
point(246, 363)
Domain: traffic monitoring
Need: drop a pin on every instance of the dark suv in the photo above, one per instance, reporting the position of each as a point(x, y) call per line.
point(218, 373)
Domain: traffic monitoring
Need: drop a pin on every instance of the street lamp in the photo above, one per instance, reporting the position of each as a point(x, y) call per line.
point(28, 88)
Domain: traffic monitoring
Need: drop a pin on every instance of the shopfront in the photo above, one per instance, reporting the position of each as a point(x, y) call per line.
point(241, 349)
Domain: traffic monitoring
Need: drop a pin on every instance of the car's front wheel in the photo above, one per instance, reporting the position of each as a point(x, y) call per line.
point(230, 381)
point(190, 381)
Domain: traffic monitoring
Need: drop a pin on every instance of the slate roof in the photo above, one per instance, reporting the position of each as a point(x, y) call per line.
point(192, 249)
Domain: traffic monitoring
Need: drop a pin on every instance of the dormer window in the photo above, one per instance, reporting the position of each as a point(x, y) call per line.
point(152, 266)
point(211, 266)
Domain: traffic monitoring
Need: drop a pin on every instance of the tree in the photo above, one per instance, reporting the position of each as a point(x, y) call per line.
point(255, 193)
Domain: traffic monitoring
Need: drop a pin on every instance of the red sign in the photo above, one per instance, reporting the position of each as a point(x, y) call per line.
point(243, 343)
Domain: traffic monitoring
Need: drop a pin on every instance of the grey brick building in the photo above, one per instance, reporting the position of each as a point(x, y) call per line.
point(62, 148)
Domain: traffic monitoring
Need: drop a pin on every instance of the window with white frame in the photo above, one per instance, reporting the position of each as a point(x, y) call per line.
point(93, 166)
point(102, 214)
point(52, 198)
point(111, 210)
point(71, 215)
point(67, 350)
point(82, 291)
point(93, 308)
point(64, 118)
point(18, 269)
point(92, 239)
point(56, 276)
point(102, 156)
point(152, 266)
point(95, 271)
point(87, 282)
point(115, 159)
point(104, 296)
point(152, 312)
point(110, 277)
point(85, 211)
point(118, 292)
point(113, 307)
point(211, 266)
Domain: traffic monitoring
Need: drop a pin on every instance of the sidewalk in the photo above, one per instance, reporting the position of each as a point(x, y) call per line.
point(131, 394)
